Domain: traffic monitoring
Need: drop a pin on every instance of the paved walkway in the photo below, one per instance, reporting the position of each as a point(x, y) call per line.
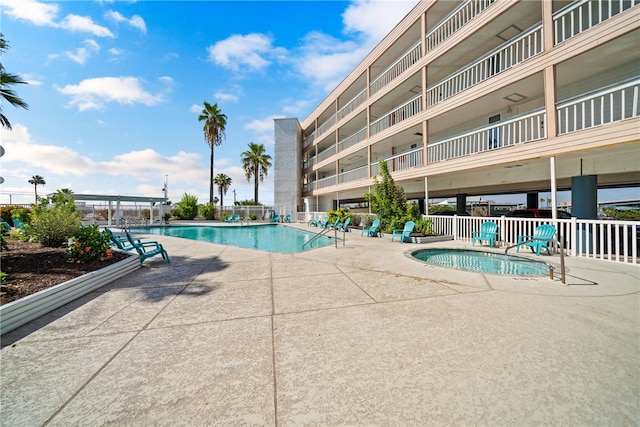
point(359, 335)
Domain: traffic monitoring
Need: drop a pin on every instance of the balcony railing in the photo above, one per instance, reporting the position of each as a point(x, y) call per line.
point(354, 103)
point(457, 19)
point(309, 162)
point(611, 104)
point(403, 112)
point(527, 45)
point(353, 174)
point(581, 15)
point(309, 140)
point(324, 155)
point(525, 128)
point(353, 139)
point(326, 182)
point(394, 70)
point(326, 125)
point(408, 160)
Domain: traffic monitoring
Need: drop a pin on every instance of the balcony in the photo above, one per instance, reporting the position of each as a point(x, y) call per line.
point(309, 163)
point(394, 70)
point(403, 112)
point(325, 154)
point(527, 45)
point(350, 106)
point(353, 174)
point(611, 104)
point(352, 139)
point(457, 19)
point(309, 140)
point(581, 15)
point(326, 125)
point(326, 182)
point(408, 160)
point(521, 129)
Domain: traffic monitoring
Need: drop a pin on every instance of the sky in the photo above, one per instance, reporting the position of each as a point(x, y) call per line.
point(115, 87)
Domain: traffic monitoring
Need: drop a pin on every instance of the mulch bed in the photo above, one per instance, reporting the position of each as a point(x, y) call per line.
point(31, 268)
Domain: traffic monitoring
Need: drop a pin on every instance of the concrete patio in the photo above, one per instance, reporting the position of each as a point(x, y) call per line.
point(356, 335)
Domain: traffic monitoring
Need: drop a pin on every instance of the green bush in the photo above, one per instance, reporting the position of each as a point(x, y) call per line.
point(208, 211)
point(424, 226)
point(12, 211)
point(413, 210)
point(187, 207)
point(626, 215)
point(387, 200)
point(89, 243)
point(253, 216)
point(356, 219)
point(53, 221)
point(341, 213)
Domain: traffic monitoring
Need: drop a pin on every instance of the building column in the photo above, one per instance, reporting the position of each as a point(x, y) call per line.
point(532, 200)
point(461, 204)
point(584, 196)
point(426, 196)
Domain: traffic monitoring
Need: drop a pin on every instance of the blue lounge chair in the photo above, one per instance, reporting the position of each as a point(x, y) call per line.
point(333, 224)
point(236, 218)
point(119, 241)
point(323, 223)
point(147, 249)
point(373, 230)
point(18, 224)
point(314, 222)
point(5, 227)
point(287, 218)
point(405, 233)
point(344, 226)
point(542, 236)
point(276, 218)
point(488, 232)
point(228, 218)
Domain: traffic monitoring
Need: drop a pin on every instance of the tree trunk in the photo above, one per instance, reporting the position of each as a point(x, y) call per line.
point(255, 186)
point(211, 177)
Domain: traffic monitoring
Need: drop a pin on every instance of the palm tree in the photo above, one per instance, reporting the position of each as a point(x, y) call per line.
point(255, 162)
point(6, 80)
point(37, 180)
point(214, 132)
point(223, 182)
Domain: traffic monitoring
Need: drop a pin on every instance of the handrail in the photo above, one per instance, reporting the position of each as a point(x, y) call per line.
point(551, 268)
point(316, 237)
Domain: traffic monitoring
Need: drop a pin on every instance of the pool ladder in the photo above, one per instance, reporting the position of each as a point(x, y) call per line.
point(551, 268)
point(324, 233)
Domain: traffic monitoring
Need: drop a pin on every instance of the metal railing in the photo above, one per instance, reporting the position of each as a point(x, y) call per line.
point(520, 129)
point(353, 139)
point(509, 54)
point(354, 103)
point(309, 140)
point(403, 63)
point(326, 125)
point(555, 243)
point(353, 174)
point(398, 162)
point(326, 182)
point(614, 103)
point(457, 19)
point(398, 114)
point(325, 154)
point(581, 15)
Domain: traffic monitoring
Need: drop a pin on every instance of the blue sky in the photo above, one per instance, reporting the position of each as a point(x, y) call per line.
point(115, 87)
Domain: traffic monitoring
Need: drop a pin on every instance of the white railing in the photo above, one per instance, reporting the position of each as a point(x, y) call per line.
point(525, 46)
point(394, 70)
point(353, 174)
point(326, 182)
point(403, 112)
point(309, 140)
point(326, 125)
point(615, 103)
point(309, 162)
point(520, 129)
point(353, 139)
point(582, 15)
point(309, 186)
point(398, 162)
point(607, 240)
point(324, 155)
point(457, 19)
point(354, 103)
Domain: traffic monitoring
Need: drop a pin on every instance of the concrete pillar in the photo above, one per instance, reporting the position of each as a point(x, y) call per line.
point(461, 204)
point(584, 196)
point(532, 200)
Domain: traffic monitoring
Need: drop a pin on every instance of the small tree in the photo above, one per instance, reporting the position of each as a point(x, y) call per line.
point(208, 211)
point(387, 200)
point(188, 206)
point(54, 220)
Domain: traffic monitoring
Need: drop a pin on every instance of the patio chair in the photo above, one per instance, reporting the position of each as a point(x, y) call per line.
point(5, 227)
point(276, 218)
point(147, 249)
point(18, 224)
point(344, 226)
point(542, 236)
point(405, 233)
point(287, 218)
point(373, 229)
point(228, 218)
point(314, 222)
point(488, 232)
point(323, 223)
point(333, 224)
point(119, 241)
point(236, 218)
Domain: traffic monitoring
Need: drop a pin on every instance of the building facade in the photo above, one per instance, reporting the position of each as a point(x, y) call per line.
point(479, 97)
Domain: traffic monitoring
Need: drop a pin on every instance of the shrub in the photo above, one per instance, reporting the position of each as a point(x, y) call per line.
point(187, 207)
point(626, 215)
point(89, 243)
point(356, 219)
point(12, 211)
point(208, 211)
point(53, 221)
point(145, 213)
point(341, 213)
point(387, 199)
point(253, 216)
point(424, 226)
point(414, 211)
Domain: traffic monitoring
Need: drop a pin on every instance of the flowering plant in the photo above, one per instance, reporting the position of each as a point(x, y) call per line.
point(88, 244)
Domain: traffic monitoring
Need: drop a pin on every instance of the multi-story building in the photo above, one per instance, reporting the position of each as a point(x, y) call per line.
point(478, 97)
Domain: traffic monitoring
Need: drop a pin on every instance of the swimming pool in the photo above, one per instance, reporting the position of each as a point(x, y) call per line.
point(485, 262)
point(270, 237)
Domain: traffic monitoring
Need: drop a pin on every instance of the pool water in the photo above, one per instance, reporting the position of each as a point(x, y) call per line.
point(272, 237)
point(485, 262)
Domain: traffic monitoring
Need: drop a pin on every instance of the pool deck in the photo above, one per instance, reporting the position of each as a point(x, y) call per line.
point(358, 335)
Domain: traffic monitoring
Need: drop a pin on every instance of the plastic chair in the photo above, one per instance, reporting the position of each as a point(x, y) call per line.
point(488, 232)
point(405, 233)
point(542, 235)
point(373, 230)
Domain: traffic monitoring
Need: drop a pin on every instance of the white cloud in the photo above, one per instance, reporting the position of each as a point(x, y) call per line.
point(251, 51)
point(231, 94)
point(84, 24)
point(31, 11)
point(195, 108)
point(81, 54)
point(374, 19)
point(115, 51)
point(135, 21)
point(296, 107)
point(32, 79)
point(95, 93)
point(263, 130)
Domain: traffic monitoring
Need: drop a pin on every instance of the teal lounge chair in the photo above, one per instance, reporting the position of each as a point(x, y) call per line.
point(488, 232)
point(373, 230)
point(147, 249)
point(18, 224)
point(405, 233)
point(314, 222)
point(119, 241)
point(228, 218)
point(324, 222)
point(236, 218)
point(5, 227)
point(542, 236)
point(333, 224)
point(276, 218)
point(287, 218)
point(344, 226)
